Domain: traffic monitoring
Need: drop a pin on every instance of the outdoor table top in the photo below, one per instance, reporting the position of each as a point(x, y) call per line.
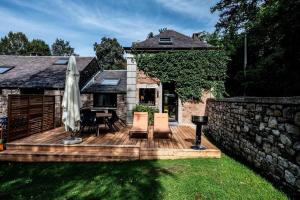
point(99, 114)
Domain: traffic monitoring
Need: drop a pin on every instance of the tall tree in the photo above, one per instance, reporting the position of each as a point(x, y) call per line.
point(61, 48)
point(272, 29)
point(14, 44)
point(150, 35)
point(38, 47)
point(110, 53)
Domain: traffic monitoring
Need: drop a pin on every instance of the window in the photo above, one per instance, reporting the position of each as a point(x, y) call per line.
point(105, 100)
point(61, 61)
point(147, 96)
point(110, 82)
point(165, 40)
point(4, 69)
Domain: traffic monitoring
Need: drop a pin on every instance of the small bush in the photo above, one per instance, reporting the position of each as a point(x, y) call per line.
point(150, 110)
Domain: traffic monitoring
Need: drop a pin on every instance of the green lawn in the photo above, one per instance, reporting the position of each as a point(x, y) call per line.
point(167, 179)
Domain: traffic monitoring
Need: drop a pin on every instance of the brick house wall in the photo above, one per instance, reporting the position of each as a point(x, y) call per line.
point(185, 109)
point(190, 108)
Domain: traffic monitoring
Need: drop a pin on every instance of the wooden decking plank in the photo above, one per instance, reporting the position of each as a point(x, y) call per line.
point(110, 145)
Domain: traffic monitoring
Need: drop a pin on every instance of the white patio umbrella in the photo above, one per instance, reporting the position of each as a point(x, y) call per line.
point(71, 101)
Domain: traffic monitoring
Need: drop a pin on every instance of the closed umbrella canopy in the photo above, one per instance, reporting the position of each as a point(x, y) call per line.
point(71, 101)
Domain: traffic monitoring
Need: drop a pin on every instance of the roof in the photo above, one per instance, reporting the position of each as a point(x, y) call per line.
point(36, 71)
point(96, 87)
point(179, 42)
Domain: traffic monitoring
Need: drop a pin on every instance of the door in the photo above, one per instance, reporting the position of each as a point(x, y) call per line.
point(170, 101)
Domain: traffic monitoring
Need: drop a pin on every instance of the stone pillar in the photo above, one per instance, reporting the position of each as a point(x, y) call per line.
point(131, 87)
point(4, 99)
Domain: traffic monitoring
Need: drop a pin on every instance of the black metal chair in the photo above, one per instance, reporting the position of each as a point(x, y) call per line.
point(88, 119)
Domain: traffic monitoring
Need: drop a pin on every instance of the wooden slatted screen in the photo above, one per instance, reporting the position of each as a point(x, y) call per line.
point(30, 114)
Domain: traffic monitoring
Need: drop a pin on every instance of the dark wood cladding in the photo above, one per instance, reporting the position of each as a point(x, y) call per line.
point(30, 114)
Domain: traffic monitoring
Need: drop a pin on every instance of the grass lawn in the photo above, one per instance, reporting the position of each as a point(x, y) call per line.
point(166, 179)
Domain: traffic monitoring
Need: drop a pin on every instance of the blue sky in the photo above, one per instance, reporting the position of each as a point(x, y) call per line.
point(85, 22)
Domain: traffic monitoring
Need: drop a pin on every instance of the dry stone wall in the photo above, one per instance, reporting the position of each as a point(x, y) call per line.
point(263, 131)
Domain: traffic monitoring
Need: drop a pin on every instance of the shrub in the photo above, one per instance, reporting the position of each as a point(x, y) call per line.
point(150, 110)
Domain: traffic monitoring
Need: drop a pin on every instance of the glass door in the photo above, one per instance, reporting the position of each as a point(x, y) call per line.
point(170, 101)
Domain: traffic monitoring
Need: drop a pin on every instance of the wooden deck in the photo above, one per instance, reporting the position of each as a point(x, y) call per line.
point(47, 146)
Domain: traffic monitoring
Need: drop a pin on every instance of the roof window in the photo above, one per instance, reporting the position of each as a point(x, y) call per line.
point(165, 40)
point(4, 69)
point(110, 82)
point(61, 61)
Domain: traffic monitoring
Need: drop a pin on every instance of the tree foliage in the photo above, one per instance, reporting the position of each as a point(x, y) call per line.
point(110, 54)
point(38, 47)
point(14, 44)
point(272, 28)
point(61, 48)
point(191, 71)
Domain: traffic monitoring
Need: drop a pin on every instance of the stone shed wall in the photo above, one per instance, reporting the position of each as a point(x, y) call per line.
point(263, 131)
point(4, 99)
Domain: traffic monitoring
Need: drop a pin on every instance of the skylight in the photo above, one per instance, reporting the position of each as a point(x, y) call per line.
point(61, 61)
point(165, 40)
point(110, 82)
point(4, 69)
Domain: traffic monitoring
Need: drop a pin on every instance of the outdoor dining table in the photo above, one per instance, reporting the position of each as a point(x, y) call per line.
point(105, 117)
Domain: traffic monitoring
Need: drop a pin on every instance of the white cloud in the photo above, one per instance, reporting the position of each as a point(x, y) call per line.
point(82, 23)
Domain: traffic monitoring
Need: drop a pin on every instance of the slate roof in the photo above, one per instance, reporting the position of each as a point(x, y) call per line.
point(96, 87)
point(179, 42)
point(36, 71)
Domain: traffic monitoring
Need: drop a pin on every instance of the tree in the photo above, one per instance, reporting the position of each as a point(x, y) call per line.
point(61, 48)
point(272, 28)
point(161, 30)
point(110, 53)
point(38, 47)
point(14, 44)
point(211, 38)
point(150, 35)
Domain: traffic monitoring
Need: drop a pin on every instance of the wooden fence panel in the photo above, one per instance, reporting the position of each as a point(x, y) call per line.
point(30, 114)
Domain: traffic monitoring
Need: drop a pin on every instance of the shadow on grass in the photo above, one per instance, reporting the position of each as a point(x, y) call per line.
point(128, 180)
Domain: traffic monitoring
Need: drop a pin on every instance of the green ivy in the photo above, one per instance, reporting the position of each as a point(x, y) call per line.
point(192, 71)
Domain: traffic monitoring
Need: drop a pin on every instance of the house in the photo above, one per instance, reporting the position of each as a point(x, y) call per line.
point(108, 91)
point(142, 89)
point(46, 75)
point(41, 75)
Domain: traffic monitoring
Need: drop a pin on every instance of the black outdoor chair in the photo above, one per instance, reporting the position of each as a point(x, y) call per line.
point(113, 121)
point(88, 119)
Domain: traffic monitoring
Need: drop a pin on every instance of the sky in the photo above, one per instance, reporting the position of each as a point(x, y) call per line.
point(84, 22)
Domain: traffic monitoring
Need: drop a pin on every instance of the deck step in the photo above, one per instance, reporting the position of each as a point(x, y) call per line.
point(29, 156)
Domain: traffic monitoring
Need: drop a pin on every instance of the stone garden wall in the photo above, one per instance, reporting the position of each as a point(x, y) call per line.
point(265, 132)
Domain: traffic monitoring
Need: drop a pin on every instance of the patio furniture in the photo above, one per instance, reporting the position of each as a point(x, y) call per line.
point(88, 119)
point(161, 126)
point(102, 118)
point(140, 124)
point(199, 121)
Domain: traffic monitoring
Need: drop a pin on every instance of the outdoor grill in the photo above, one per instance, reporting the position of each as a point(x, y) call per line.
point(198, 121)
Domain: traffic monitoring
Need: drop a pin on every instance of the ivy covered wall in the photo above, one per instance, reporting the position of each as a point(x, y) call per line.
point(192, 71)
